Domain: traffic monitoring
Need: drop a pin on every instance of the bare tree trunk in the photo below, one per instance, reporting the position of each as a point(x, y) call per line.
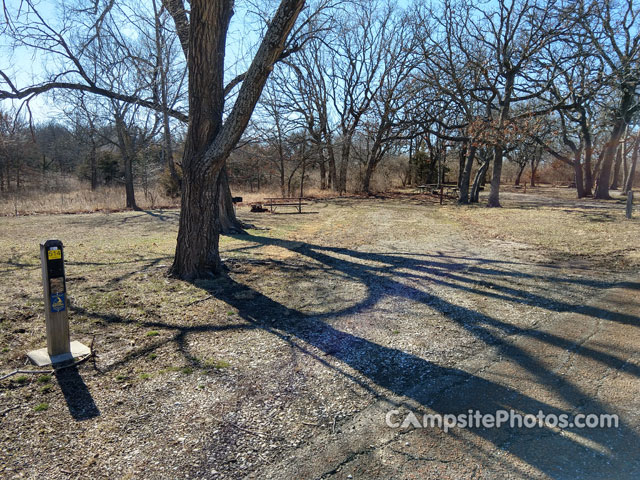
point(229, 224)
point(520, 172)
point(304, 167)
point(166, 131)
point(588, 153)
point(632, 169)
point(534, 169)
point(128, 182)
point(209, 141)
point(333, 179)
point(466, 175)
point(475, 190)
point(578, 174)
point(461, 163)
point(366, 181)
point(93, 166)
point(344, 164)
point(616, 169)
point(494, 195)
point(127, 152)
point(604, 177)
point(625, 163)
point(323, 173)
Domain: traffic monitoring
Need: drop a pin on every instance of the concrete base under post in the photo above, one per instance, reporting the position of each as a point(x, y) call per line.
point(42, 358)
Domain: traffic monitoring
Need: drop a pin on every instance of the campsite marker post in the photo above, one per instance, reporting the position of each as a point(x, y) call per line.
point(59, 347)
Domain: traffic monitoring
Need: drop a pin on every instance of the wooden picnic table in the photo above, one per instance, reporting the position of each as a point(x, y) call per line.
point(275, 202)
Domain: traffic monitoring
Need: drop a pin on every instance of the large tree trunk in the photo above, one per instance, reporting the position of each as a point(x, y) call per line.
point(604, 177)
point(127, 151)
point(93, 166)
point(344, 164)
point(461, 163)
point(128, 181)
point(578, 174)
point(475, 189)
point(209, 142)
point(520, 172)
point(615, 183)
point(366, 181)
point(588, 154)
point(494, 195)
point(197, 253)
point(466, 175)
point(332, 181)
point(323, 173)
point(534, 169)
point(632, 169)
point(229, 224)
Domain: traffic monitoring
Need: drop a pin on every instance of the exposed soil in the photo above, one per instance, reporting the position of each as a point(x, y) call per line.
point(286, 366)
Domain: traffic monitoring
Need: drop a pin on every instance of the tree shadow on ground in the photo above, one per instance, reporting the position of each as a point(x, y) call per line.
point(390, 373)
point(451, 390)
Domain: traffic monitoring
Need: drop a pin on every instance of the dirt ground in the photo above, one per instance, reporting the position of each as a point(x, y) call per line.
point(286, 367)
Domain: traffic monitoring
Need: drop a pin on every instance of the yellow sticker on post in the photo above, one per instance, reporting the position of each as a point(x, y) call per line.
point(54, 254)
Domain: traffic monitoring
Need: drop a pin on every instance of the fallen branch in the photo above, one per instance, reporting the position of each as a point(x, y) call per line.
point(7, 410)
point(19, 372)
point(51, 371)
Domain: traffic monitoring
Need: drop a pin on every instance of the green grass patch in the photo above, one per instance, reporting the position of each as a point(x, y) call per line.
point(21, 379)
point(44, 378)
point(153, 333)
point(185, 370)
point(217, 364)
point(46, 388)
point(145, 376)
point(152, 356)
point(41, 407)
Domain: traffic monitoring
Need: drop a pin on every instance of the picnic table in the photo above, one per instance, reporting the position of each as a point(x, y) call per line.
point(434, 188)
point(275, 202)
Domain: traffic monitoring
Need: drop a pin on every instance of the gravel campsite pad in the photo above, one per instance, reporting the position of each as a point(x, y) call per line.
point(287, 366)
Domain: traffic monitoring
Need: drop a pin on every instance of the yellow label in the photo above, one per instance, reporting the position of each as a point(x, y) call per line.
point(54, 254)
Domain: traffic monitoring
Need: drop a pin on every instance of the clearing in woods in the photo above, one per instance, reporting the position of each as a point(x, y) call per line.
point(286, 367)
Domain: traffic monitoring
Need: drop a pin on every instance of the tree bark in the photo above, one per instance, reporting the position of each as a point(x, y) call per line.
point(519, 175)
point(475, 190)
point(209, 142)
point(229, 223)
point(344, 164)
point(588, 153)
point(127, 152)
point(366, 181)
point(466, 175)
point(616, 169)
point(494, 195)
point(93, 166)
point(604, 177)
point(632, 169)
point(578, 174)
point(128, 182)
point(461, 162)
point(323, 173)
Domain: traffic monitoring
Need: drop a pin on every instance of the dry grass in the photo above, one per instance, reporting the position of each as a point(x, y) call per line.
point(231, 374)
point(78, 198)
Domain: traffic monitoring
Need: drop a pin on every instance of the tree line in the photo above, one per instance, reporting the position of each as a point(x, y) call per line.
point(348, 82)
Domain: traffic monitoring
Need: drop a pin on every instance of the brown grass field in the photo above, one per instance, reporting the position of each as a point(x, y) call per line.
point(285, 366)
